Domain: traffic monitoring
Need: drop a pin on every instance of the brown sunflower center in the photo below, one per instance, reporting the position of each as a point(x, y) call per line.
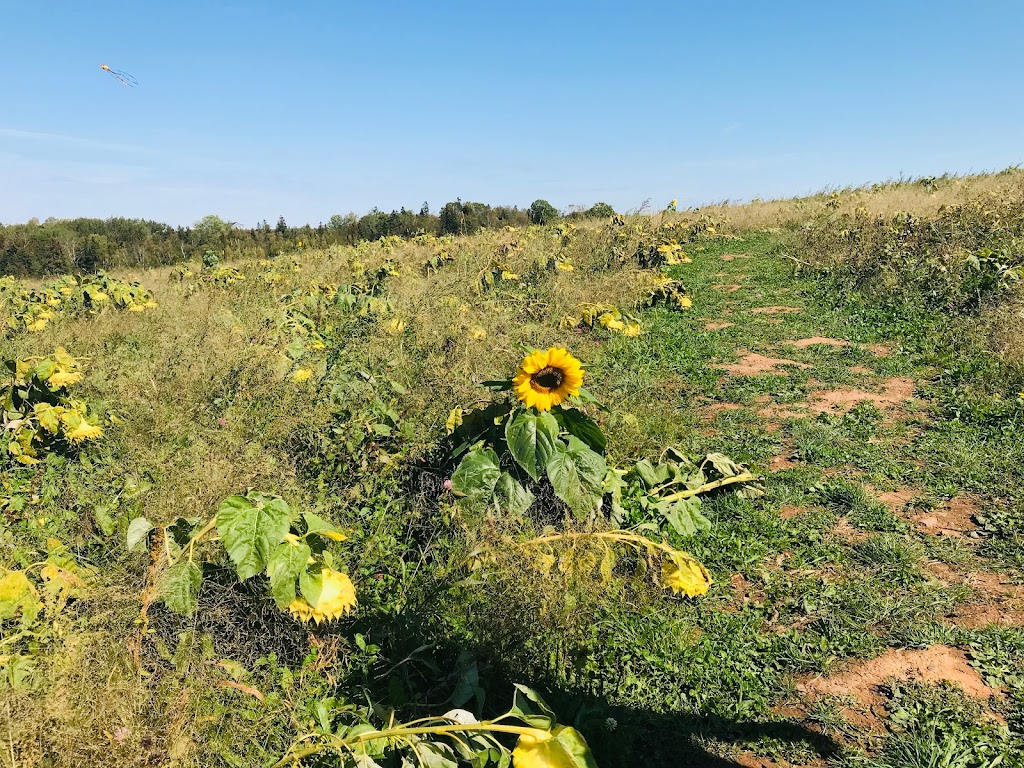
point(547, 379)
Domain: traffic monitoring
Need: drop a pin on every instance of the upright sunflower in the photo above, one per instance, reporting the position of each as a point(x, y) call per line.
point(546, 378)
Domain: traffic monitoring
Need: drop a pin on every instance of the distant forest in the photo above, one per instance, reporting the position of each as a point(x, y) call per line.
point(67, 246)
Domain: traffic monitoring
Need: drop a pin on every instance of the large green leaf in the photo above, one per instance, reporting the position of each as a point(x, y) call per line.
point(180, 585)
point(574, 746)
point(529, 707)
point(138, 533)
point(684, 515)
point(577, 476)
point(575, 422)
point(286, 562)
point(250, 528)
point(477, 473)
point(532, 439)
point(510, 496)
point(311, 584)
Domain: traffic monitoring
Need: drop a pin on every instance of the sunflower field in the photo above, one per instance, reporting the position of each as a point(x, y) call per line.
point(623, 492)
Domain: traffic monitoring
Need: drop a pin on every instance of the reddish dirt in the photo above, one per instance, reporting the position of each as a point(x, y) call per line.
point(861, 680)
point(776, 311)
point(951, 519)
point(791, 510)
point(717, 326)
point(732, 288)
point(996, 601)
point(779, 463)
point(746, 591)
point(762, 399)
point(880, 350)
point(896, 500)
point(848, 533)
point(823, 340)
point(754, 364)
point(894, 392)
point(734, 256)
point(781, 412)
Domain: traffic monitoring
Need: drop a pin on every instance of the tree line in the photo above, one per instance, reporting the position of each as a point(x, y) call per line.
point(67, 246)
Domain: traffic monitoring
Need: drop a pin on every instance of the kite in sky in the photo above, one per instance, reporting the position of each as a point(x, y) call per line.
point(122, 77)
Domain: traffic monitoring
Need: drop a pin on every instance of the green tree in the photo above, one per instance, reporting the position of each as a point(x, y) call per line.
point(599, 211)
point(543, 212)
point(212, 230)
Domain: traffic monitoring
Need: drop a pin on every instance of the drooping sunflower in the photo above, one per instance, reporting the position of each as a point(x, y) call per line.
point(546, 378)
point(337, 597)
point(684, 575)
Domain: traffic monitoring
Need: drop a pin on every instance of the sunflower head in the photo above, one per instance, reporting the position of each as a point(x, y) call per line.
point(546, 378)
point(337, 597)
point(684, 575)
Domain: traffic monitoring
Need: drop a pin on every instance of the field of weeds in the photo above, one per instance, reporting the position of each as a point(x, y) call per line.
point(731, 487)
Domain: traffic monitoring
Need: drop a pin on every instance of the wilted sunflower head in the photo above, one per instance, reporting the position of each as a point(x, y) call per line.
point(684, 575)
point(337, 597)
point(546, 378)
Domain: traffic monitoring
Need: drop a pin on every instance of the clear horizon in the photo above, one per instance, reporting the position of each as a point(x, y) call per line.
point(255, 111)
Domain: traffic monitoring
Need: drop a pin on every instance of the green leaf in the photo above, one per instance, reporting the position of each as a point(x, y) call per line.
point(283, 568)
point(251, 529)
point(311, 585)
point(575, 747)
point(436, 754)
point(499, 385)
point(529, 707)
point(138, 534)
point(101, 514)
point(179, 588)
point(316, 524)
point(477, 473)
point(577, 476)
point(532, 439)
point(684, 515)
point(17, 593)
point(575, 422)
point(510, 496)
point(651, 476)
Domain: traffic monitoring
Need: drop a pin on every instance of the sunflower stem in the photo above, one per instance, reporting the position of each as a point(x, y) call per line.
point(295, 755)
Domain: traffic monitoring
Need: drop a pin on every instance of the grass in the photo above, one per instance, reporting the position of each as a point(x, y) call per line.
point(207, 408)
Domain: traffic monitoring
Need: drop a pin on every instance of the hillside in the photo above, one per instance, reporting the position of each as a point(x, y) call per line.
point(258, 507)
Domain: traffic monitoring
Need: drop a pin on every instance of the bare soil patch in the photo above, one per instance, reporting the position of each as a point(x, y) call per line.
point(734, 256)
point(779, 463)
point(880, 350)
point(931, 665)
point(849, 533)
point(791, 510)
point(861, 370)
point(754, 364)
point(730, 288)
point(813, 340)
point(894, 392)
point(954, 518)
point(776, 310)
point(896, 500)
point(997, 601)
point(717, 326)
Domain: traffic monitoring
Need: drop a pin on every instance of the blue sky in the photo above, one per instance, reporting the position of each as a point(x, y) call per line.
point(252, 110)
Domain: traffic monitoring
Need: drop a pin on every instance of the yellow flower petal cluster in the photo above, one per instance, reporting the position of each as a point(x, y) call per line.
point(682, 574)
point(301, 375)
point(547, 378)
point(337, 597)
point(563, 747)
